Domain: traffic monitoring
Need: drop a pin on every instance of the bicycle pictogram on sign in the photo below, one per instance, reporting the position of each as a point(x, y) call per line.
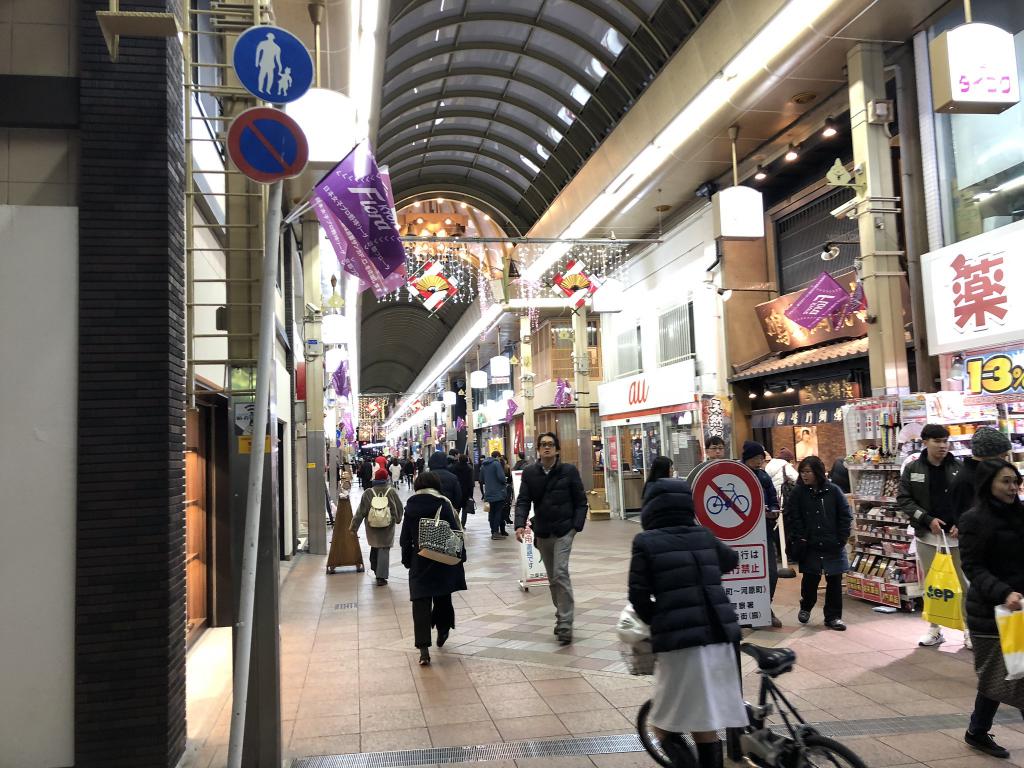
point(728, 499)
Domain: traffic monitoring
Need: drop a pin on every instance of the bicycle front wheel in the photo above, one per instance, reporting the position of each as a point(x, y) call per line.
point(823, 752)
point(682, 750)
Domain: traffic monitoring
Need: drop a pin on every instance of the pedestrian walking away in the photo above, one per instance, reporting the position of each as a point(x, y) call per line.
point(675, 585)
point(991, 542)
point(925, 500)
point(431, 583)
point(493, 474)
point(555, 493)
point(818, 522)
point(438, 465)
point(464, 473)
point(753, 456)
point(381, 508)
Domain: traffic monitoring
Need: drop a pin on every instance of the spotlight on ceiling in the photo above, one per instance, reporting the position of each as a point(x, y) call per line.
point(793, 153)
point(830, 128)
point(752, 395)
point(761, 174)
point(829, 251)
point(956, 369)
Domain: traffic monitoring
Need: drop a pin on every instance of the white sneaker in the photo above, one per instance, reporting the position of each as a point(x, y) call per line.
point(932, 637)
point(967, 641)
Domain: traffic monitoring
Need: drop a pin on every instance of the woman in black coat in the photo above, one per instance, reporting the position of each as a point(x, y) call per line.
point(464, 474)
point(818, 524)
point(991, 543)
point(430, 583)
point(675, 585)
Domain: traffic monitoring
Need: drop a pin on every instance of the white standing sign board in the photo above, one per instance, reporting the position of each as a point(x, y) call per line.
point(729, 502)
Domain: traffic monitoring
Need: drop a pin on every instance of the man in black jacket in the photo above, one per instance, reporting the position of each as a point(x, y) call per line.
point(987, 443)
point(925, 500)
point(438, 464)
point(753, 456)
point(555, 491)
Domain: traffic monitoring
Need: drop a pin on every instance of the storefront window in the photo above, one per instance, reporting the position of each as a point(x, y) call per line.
point(682, 441)
point(982, 156)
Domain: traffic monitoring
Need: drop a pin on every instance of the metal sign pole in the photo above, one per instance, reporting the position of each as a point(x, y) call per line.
point(247, 592)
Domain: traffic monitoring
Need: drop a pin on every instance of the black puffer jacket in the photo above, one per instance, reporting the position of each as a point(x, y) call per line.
point(991, 543)
point(675, 576)
point(558, 499)
point(818, 524)
point(450, 487)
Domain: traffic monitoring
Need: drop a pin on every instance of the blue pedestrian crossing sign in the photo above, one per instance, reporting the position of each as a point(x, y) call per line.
point(273, 64)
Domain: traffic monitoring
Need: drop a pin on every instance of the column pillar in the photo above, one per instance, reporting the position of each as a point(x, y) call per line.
point(316, 459)
point(581, 367)
point(877, 218)
point(469, 414)
point(526, 378)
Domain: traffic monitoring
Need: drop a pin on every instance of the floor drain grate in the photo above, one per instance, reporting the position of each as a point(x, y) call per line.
point(344, 606)
point(608, 745)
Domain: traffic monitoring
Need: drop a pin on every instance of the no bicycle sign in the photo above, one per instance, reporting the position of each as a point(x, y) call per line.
point(729, 502)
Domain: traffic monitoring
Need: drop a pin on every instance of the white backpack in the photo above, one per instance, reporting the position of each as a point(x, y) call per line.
point(380, 511)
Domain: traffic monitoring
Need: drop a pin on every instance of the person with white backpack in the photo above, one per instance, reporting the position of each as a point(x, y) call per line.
point(382, 509)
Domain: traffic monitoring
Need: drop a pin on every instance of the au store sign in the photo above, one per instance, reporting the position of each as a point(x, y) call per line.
point(974, 70)
point(970, 287)
point(995, 374)
point(671, 385)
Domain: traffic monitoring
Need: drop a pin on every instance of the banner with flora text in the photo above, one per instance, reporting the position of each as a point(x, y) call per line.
point(353, 204)
point(818, 301)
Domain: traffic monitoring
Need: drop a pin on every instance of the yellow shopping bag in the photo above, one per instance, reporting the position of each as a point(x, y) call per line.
point(943, 596)
point(1011, 640)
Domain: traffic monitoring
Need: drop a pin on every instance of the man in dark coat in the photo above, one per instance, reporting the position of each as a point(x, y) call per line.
point(438, 464)
point(986, 443)
point(555, 491)
point(753, 456)
point(925, 500)
point(493, 475)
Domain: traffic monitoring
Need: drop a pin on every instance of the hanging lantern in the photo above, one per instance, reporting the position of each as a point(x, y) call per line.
point(332, 329)
point(449, 398)
point(507, 394)
point(478, 379)
point(500, 366)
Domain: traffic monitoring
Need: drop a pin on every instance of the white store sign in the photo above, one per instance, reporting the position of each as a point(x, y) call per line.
point(974, 70)
point(972, 291)
point(671, 385)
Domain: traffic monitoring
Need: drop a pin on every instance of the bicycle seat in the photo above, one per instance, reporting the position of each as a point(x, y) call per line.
point(771, 661)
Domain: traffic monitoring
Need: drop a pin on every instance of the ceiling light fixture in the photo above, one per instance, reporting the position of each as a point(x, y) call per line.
point(956, 369)
point(752, 395)
point(793, 153)
point(767, 392)
point(830, 128)
point(761, 175)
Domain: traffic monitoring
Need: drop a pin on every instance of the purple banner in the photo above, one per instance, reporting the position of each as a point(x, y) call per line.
point(562, 398)
point(346, 422)
point(818, 301)
point(340, 380)
point(460, 424)
point(512, 408)
point(854, 303)
point(352, 204)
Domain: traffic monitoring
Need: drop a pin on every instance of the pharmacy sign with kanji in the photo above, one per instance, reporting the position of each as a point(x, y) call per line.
point(729, 502)
point(968, 290)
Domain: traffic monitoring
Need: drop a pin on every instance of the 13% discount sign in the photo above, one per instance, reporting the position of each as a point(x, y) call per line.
point(995, 374)
point(729, 502)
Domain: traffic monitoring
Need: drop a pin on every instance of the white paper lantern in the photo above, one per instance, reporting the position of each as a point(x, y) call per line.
point(332, 329)
point(500, 366)
point(507, 394)
point(478, 379)
point(450, 398)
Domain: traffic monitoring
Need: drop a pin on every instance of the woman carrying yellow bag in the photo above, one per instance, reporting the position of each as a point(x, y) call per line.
point(991, 543)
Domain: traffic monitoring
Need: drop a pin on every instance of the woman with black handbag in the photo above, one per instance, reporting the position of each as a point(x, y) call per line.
point(818, 521)
point(431, 583)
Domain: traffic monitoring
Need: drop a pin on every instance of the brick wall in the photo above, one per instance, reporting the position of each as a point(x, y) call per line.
point(130, 578)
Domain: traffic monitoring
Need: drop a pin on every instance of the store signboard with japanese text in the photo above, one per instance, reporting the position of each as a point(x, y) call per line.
point(728, 501)
point(968, 287)
point(974, 70)
point(672, 385)
point(996, 373)
point(785, 335)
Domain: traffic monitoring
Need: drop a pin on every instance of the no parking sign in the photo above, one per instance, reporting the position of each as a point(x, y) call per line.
point(729, 502)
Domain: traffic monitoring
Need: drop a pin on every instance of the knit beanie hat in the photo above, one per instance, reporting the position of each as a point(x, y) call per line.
point(751, 449)
point(380, 474)
point(989, 442)
point(785, 454)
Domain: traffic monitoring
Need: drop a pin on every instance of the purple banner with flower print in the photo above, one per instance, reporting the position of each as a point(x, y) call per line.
point(818, 301)
point(562, 397)
point(353, 205)
point(340, 380)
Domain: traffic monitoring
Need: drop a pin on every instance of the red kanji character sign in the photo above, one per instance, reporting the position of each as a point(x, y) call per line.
point(978, 291)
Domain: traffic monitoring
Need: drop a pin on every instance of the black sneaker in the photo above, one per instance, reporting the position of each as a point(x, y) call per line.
point(837, 624)
point(803, 617)
point(983, 742)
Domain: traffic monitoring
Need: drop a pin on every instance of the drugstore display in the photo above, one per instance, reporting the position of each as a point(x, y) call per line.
point(882, 570)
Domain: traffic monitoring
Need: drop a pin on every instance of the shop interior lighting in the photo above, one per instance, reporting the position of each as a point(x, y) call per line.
point(767, 392)
point(787, 25)
point(761, 174)
point(830, 128)
point(752, 395)
point(793, 153)
point(789, 388)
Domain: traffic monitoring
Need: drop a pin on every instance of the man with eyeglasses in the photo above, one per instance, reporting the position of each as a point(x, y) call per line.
point(555, 491)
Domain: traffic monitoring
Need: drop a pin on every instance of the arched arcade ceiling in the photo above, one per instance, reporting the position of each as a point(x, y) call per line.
point(500, 104)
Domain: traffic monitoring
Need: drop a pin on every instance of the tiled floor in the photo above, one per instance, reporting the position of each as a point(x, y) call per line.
point(350, 681)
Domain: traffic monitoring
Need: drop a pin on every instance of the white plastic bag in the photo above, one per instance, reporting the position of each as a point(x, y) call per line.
point(631, 629)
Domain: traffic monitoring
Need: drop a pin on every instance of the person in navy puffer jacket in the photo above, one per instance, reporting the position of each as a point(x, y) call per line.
point(675, 585)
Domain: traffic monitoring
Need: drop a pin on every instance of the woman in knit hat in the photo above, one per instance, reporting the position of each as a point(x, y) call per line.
point(382, 509)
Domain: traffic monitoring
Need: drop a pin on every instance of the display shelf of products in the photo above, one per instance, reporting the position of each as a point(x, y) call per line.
point(893, 520)
point(869, 534)
point(879, 467)
point(874, 499)
point(880, 591)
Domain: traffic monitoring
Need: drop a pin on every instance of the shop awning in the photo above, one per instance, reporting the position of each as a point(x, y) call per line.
point(799, 415)
point(805, 358)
